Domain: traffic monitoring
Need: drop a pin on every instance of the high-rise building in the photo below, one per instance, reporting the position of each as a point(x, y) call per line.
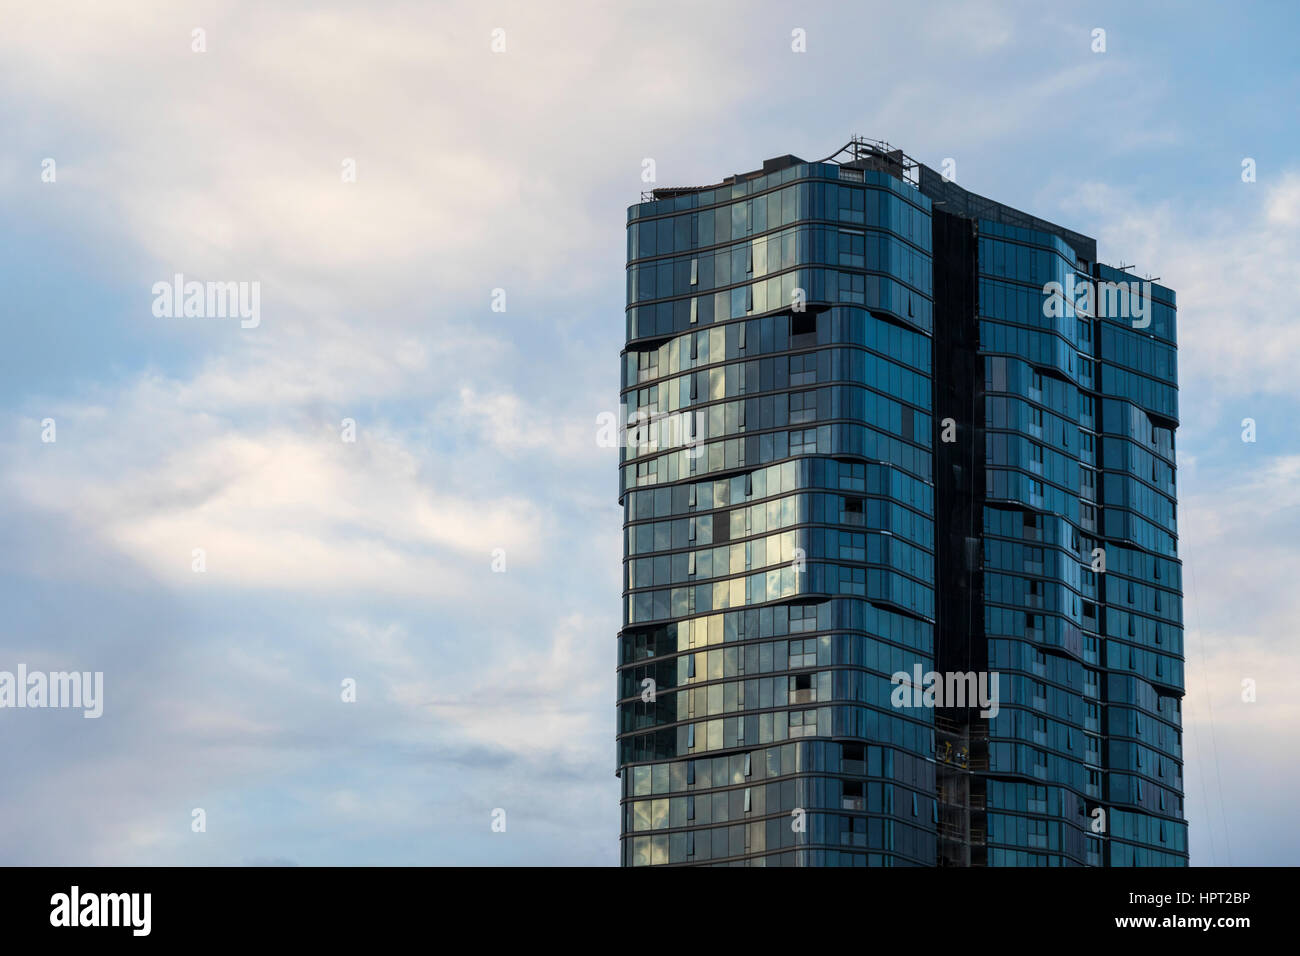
point(901, 576)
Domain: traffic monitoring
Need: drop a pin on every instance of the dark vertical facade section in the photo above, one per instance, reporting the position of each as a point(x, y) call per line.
point(961, 734)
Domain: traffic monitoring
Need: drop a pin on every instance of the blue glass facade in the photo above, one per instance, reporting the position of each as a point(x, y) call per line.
point(788, 545)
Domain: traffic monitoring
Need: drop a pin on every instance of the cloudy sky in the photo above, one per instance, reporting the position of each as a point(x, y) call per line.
point(479, 170)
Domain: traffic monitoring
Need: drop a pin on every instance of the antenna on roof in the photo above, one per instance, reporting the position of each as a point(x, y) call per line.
point(862, 153)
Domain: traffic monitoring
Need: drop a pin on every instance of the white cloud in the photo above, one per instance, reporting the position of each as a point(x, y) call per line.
point(468, 177)
point(272, 507)
point(1284, 201)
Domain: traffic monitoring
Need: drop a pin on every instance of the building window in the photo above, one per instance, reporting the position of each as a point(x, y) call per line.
point(803, 407)
point(803, 369)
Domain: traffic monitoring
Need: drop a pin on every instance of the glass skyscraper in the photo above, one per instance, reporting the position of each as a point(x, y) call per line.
point(881, 426)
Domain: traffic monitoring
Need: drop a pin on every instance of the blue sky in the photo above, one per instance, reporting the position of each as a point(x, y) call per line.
point(479, 170)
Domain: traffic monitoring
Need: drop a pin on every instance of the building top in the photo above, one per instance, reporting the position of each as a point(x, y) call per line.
point(857, 153)
point(860, 155)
